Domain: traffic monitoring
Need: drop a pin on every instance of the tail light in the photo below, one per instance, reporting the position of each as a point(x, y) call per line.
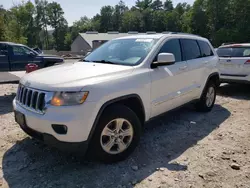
point(31, 67)
point(247, 62)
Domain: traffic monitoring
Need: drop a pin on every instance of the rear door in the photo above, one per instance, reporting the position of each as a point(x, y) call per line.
point(20, 56)
point(196, 65)
point(169, 82)
point(4, 59)
point(234, 61)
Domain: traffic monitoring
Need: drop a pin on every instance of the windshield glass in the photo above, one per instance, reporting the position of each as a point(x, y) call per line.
point(234, 52)
point(122, 51)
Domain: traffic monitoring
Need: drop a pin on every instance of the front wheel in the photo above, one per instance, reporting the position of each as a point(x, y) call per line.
point(207, 100)
point(117, 134)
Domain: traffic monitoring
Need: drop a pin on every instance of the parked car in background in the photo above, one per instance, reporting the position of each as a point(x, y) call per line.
point(227, 43)
point(101, 103)
point(234, 63)
point(14, 57)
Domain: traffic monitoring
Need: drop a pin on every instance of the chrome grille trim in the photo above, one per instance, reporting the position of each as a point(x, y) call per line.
point(33, 99)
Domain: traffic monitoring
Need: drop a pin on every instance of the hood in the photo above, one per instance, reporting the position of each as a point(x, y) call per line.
point(73, 75)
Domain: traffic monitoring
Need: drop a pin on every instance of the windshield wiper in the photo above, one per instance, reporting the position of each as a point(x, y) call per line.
point(84, 60)
point(104, 61)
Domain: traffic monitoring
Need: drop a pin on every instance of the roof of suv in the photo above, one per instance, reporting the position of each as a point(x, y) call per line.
point(236, 45)
point(158, 36)
point(10, 43)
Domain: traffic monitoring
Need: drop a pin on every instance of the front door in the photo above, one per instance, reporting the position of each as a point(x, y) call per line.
point(20, 57)
point(169, 82)
point(4, 59)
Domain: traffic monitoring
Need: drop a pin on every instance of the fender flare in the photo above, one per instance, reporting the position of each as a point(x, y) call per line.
point(209, 78)
point(106, 104)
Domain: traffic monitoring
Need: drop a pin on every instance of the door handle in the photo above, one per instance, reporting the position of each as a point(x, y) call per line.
point(183, 68)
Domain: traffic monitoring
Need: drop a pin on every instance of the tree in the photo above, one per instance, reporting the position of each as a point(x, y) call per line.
point(196, 20)
point(143, 4)
point(220, 21)
point(96, 22)
point(42, 22)
point(147, 19)
point(30, 31)
point(20, 24)
point(106, 22)
point(217, 12)
point(119, 11)
point(59, 23)
point(172, 21)
point(131, 21)
point(3, 25)
point(159, 23)
point(157, 5)
point(168, 5)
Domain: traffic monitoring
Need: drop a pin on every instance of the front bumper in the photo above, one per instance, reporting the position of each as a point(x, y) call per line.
point(72, 147)
point(78, 119)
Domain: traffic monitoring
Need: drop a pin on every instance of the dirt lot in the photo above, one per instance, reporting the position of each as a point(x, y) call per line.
point(182, 149)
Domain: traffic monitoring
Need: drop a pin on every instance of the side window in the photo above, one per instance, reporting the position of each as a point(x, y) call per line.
point(172, 46)
point(20, 51)
point(191, 49)
point(3, 50)
point(205, 49)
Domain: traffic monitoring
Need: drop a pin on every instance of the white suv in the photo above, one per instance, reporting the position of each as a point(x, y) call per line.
point(102, 102)
point(234, 63)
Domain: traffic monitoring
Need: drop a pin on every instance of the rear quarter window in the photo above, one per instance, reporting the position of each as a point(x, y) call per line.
point(205, 49)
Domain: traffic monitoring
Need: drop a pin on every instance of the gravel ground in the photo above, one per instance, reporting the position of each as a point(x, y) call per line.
point(182, 149)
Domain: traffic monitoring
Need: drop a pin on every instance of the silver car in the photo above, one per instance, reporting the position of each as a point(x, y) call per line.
point(234, 63)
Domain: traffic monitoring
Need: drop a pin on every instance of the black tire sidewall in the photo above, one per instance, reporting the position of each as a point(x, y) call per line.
point(109, 114)
point(202, 105)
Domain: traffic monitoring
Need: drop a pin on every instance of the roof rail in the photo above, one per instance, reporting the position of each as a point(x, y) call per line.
point(133, 32)
point(183, 33)
point(166, 32)
point(227, 43)
point(91, 32)
point(113, 32)
point(151, 32)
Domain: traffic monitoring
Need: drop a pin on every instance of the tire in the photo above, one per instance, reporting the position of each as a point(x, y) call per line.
point(203, 105)
point(110, 118)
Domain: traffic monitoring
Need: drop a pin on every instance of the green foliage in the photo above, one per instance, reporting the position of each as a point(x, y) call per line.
point(220, 21)
point(28, 23)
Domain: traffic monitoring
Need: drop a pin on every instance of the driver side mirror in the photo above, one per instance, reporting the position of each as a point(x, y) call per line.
point(164, 59)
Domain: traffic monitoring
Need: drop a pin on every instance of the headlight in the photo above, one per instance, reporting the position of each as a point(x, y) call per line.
point(69, 98)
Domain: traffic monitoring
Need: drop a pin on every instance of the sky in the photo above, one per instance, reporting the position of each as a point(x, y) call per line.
point(74, 9)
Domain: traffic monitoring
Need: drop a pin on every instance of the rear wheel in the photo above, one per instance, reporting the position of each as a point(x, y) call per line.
point(207, 100)
point(117, 134)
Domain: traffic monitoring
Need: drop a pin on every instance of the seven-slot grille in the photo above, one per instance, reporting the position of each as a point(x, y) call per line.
point(31, 99)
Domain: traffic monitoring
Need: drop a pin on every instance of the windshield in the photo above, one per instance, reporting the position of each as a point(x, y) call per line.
point(234, 52)
point(122, 51)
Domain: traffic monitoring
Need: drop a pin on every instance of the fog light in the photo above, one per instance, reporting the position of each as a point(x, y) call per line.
point(60, 129)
